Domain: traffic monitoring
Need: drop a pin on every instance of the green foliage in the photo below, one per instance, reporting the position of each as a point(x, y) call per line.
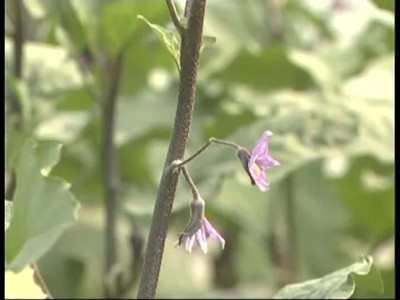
point(170, 39)
point(386, 4)
point(118, 24)
point(42, 206)
point(324, 89)
point(270, 69)
point(337, 285)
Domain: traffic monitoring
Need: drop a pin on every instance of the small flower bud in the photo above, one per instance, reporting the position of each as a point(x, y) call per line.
point(244, 156)
point(197, 207)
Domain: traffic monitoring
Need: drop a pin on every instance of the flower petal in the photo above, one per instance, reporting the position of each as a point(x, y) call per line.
point(189, 243)
point(213, 232)
point(201, 241)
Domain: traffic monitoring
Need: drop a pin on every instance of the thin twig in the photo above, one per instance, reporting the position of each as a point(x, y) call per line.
point(209, 142)
point(18, 39)
point(42, 282)
point(276, 24)
point(112, 73)
point(137, 243)
point(174, 16)
point(189, 180)
point(188, 5)
point(189, 59)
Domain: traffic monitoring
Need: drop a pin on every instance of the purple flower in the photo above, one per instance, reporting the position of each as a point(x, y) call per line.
point(200, 237)
point(260, 160)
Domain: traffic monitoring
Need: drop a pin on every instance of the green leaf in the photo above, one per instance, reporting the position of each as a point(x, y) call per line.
point(385, 4)
point(43, 207)
point(207, 41)
point(266, 70)
point(118, 24)
point(367, 190)
point(340, 284)
point(170, 39)
point(322, 74)
point(70, 22)
point(369, 287)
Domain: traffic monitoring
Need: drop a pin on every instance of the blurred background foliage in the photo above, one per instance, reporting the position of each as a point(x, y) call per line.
point(319, 74)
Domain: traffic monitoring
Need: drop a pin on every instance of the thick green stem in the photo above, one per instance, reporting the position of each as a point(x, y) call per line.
point(189, 60)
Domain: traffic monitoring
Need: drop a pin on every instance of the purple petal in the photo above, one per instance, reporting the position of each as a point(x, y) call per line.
point(214, 233)
point(260, 160)
point(261, 149)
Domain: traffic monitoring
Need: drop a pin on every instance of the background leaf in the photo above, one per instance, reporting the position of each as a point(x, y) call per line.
point(43, 207)
point(339, 284)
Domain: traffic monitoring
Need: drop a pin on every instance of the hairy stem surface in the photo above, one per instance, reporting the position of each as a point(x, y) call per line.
point(190, 51)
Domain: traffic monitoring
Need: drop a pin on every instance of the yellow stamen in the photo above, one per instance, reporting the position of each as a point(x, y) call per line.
point(257, 169)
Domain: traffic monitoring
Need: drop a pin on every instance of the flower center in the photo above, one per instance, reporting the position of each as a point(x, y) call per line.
point(257, 169)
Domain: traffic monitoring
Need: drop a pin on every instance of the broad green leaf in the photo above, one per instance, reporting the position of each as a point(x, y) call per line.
point(118, 23)
point(337, 285)
point(264, 71)
point(322, 74)
point(367, 190)
point(385, 4)
point(22, 285)
point(170, 39)
point(369, 287)
point(43, 207)
point(75, 100)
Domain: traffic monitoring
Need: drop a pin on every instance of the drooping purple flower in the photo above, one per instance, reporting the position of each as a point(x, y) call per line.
point(200, 237)
point(260, 160)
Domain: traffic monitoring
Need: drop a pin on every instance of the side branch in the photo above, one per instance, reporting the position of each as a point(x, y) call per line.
point(174, 16)
point(209, 142)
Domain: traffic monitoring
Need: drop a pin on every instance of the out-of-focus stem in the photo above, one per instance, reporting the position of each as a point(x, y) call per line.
point(14, 103)
point(112, 79)
point(276, 22)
